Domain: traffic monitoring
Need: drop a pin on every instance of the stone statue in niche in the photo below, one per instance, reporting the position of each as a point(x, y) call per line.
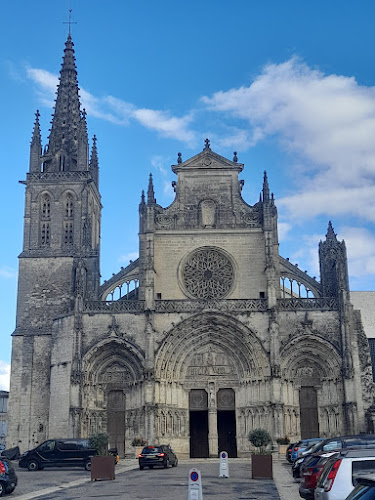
point(80, 279)
point(208, 213)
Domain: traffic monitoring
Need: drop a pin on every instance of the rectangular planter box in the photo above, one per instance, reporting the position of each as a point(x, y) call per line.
point(102, 468)
point(261, 466)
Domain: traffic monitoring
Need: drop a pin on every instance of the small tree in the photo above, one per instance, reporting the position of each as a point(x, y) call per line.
point(100, 443)
point(260, 439)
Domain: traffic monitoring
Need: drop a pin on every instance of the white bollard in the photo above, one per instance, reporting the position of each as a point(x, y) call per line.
point(224, 466)
point(195, 485)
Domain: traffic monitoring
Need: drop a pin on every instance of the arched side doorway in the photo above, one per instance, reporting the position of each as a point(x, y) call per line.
point(311, 373)
point(113, 370)
point(206, 360)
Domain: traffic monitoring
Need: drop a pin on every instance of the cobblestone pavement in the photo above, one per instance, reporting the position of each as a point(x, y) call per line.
point(171, 484)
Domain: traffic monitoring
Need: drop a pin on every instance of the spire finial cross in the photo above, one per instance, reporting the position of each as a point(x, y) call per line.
point(207, 144)
point(70, 22)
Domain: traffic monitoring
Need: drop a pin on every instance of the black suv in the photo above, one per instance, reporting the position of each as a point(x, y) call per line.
point(8, 476)
point(161, 455)
point(59, 453)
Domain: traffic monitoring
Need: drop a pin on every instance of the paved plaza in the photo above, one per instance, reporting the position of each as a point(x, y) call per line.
point(170, 484)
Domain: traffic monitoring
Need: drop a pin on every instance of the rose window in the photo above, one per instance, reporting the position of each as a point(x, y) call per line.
point(207, 274)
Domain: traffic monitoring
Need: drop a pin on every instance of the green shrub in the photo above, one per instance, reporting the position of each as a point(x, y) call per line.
point(260, 439)
point(100, 443)
point(284, 440)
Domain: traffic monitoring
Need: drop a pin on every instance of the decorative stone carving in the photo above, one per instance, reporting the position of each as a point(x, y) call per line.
point(210, 363)
point(207, 273)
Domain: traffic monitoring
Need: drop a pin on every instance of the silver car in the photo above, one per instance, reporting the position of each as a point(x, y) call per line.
point(338, 476)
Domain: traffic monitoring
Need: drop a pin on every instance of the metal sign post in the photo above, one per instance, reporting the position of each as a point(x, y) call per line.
point(224, 466)
point(195, 485)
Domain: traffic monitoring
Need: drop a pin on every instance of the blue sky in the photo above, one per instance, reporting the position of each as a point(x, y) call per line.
point(288, 85)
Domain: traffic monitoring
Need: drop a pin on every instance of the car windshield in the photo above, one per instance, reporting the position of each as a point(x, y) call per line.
point(314, 447)
point(150, 449)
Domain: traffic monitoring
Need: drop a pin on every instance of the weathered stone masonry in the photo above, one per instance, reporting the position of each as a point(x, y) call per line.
point(208, 335)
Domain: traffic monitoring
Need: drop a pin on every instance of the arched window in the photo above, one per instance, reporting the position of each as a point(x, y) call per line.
point(62, 163)
point(68, 220)
point(46, 207)
point(45, 217)
point(69, 207)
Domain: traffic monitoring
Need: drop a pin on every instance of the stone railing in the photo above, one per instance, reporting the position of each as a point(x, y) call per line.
point(47, 176)
point(231, 305)
point(320, 303)
point(135, 306)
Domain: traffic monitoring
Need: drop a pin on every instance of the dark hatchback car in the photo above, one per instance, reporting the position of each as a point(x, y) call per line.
point(161, 455)
point(8, 476)
point(59, 453)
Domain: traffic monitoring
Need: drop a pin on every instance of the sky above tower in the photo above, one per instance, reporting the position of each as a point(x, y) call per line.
point(288, 85)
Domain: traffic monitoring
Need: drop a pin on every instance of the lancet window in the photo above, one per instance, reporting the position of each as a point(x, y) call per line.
point(45, 217)
point(68, 220)
point(69, 207)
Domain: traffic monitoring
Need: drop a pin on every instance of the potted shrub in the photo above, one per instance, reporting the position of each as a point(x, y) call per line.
point(261, 461)
point(283, 445)
point(102, 464)
point(139, 443)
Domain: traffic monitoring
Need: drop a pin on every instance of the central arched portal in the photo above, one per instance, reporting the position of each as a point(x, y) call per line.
point(210, 358)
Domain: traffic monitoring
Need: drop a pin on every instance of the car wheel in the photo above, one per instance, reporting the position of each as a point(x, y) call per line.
point(166, 464)
point(2, 489)
point(141, 467)
point(33, 465)
point(87, 465)
point(175, 463)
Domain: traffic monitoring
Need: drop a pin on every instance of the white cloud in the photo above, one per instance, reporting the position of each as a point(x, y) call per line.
point(157, 162)
point(126, 258)
point(8, 272)
point(283, 230)
point(326, 121)
point(116, 110)
point(4, 376)
point(361, 245)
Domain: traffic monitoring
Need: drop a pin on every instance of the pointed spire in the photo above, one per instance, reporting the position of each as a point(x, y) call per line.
point(150, 192)
point(266, 189)
point(67, 125)
point(94, 162)
point(36, 146)
point(143, 197)
point(330, 232)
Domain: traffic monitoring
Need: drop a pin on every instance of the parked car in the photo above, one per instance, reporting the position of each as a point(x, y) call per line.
point(310, 473)
point(161, 455)
point(302, 445)
point(288, 453)
point(58, 453)
point(364, 489)
point(338, 477)
point(335, 443)
point(8, 476)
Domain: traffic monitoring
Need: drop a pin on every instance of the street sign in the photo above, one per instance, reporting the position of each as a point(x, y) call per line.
point(224, 466)
point(195, 485)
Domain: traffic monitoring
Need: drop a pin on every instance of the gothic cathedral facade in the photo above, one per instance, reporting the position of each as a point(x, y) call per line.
point(209, 334)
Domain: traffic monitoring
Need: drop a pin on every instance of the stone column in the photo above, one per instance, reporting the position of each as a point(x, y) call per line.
point(213, 438)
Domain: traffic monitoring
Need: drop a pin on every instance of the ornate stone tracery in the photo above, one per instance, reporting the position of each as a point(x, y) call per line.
point(207, 273)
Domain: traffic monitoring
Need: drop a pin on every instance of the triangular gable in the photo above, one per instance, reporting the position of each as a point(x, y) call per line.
point(207, 160)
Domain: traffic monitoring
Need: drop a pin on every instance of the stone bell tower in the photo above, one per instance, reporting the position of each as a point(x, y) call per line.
point(60, 256)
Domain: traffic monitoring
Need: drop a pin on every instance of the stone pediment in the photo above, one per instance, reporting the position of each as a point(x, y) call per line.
point(207, 160)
